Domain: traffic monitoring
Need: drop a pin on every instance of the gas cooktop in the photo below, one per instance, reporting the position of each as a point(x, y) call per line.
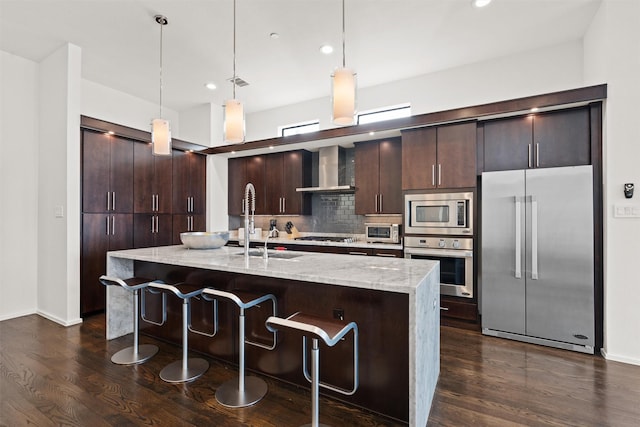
point(344, 239)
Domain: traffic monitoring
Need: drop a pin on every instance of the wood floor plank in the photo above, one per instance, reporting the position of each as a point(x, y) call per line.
point(51, 375)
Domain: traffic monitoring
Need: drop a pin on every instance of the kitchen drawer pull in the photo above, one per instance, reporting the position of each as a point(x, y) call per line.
point(444, 308)
point(388, 255)
point(358, 253)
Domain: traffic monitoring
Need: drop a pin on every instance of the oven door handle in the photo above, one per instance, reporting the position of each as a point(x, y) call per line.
point(439, 253)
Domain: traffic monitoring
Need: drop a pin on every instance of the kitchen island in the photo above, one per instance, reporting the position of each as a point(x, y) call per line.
point(394, 301)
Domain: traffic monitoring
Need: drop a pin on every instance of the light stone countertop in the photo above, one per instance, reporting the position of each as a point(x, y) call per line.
point(386, 274)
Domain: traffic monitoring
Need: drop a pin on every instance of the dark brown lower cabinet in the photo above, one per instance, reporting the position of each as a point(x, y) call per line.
point(152, 230)
point(183, 223)
point(459, 312)
point(100, 233)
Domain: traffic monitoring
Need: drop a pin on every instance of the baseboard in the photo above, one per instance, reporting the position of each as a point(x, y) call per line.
point(58, 320)
point(18, 314)
point(617, 358)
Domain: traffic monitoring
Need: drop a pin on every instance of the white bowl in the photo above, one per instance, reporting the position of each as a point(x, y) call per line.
point(204, 239)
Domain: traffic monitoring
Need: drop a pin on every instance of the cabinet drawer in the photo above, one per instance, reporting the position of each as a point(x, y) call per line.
point(459, 309)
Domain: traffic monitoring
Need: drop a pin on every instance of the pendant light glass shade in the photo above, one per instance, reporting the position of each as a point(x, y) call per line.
point(234, 130)
point(160, 131)
point(343, 96)
point(161, 137)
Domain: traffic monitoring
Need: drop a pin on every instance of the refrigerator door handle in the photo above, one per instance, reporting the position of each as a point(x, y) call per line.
point(534, 238)
point(518, 273)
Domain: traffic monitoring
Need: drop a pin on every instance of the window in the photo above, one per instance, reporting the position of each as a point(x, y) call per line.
point(386, 113)
point(298, 128)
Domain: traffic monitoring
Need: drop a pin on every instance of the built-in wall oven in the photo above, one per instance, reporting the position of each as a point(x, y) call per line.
point(439, 227)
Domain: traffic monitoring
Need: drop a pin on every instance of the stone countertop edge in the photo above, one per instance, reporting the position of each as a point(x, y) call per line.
point(398, 275)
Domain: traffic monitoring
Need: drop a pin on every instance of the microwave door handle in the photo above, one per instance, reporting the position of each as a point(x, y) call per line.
point(534, 238)
point(518, 254)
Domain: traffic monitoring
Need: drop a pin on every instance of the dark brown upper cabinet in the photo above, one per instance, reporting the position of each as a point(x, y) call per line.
point(107, 173)
point(189, 183)
point(242, 171)
point(152, 180)
point(378, 175)
point(439, 157)
point(284, 173)
point(545, 140)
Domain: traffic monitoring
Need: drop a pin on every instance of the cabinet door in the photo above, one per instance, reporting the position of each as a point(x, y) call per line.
point(96, 166)
point(237, 181)
point(296, 167)
point(419, 150)
point(164, 230)
point(181, 185)
point(255, 167)
point(121, 229)
point(456, 156)
point(274, 163)
point(198, 183)
point(390, 198)
point(562, 138)
point(144, 227)
point(507, 144)
point(143, 176)
point(95, 244)
point(367, 171)
point(163, 183)
point(122, 174)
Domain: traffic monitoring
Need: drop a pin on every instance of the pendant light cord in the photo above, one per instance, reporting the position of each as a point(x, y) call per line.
point(343, 31)
point(161, 25)
point(234, 49)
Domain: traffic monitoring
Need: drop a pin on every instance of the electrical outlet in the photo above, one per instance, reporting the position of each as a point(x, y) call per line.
point(338, 313)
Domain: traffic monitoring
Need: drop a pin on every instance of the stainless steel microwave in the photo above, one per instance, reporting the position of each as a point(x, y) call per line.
point(382, 233)
point(439, 213)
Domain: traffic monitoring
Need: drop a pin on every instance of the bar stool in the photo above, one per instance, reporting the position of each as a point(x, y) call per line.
point(136, 353)
point(330, 331)
point(187, 369)
point(244, 391)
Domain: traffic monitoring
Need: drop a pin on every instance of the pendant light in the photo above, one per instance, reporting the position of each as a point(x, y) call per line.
point(234, 126)
point(160, 130)
point(343, 90)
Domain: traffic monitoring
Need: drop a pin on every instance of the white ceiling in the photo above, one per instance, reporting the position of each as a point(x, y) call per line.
point(386, 40)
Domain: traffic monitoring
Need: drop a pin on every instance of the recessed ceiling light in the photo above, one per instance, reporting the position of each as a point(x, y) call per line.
point(326, 49)
point(481, 3)
point(210, 86)
point(274, 35)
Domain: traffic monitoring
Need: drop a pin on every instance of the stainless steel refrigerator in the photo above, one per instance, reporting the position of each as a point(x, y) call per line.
point(537, 268)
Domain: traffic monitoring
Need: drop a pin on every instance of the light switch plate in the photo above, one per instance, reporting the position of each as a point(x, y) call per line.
point(626, 211)
point(59, 211)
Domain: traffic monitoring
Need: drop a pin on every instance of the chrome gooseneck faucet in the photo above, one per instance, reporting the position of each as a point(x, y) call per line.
point(248, 224)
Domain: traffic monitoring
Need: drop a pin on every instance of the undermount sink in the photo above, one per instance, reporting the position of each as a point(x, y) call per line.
point(272, 254)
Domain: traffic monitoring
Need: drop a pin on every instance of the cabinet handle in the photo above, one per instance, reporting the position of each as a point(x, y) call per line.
point(387, 255)
point(113, 225)
point(433, 175)
point(529, 148)
point(537, 155)
point(153, 221)
point(439, 174)
point(108, 201)
point(380, 210)
point(157, 224)
point(284, 204)
point(191, 218)
point(444, 308)
point(113, 201)
point(375, 204)
point(107, 226)
point(358, 253)
point(191, 203)
point(242, 205)
point(188, 204)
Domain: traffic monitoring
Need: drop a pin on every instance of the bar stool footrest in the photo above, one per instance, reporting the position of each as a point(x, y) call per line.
point(173, 372)
point(228, 394)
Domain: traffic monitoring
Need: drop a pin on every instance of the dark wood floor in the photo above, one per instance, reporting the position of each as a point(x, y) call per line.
point(50, 375)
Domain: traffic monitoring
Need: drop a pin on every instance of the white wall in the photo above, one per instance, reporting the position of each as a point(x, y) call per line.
point(534, 72)
point(18, 186)
point(102, 102)
point(58, 186)
point(612, 54)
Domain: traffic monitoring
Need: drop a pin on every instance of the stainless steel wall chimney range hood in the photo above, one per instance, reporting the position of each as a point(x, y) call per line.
point(331, 172)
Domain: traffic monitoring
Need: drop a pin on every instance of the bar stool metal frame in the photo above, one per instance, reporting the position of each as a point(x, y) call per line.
point(245, 391)
point(187, 369)
point(136, 353)
point(310, 325)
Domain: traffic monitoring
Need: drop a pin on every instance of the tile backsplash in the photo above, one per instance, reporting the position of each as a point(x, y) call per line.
point(332, 213)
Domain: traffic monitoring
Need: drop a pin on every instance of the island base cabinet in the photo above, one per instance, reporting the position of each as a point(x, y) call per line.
point(381, 317)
